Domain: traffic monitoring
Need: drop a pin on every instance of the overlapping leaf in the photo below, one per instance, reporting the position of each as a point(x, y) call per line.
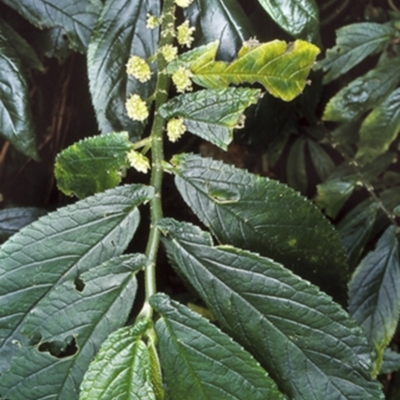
point(321, 160)
point(391, 362)
point(296, 166)
point(309, 345)
point(211, 114)
point(56, 248)
point(92, 165)
point(280, 67)
point(120, 32)
point(201, 360)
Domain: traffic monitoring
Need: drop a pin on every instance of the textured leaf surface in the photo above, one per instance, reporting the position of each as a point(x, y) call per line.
point(211, 114)
point(296, 166)
point(321, 160)
point(298, 18)
point(374, 293)
point(261, 215)
point(16, 123)
point(363, 93)
point(354, 43)
point(391, 362)
point(379, 129)
point(56, 248)
point(92, 165)
point(69, 313)
point(281, 68)
point(122, 369)
point(199, 359)
point(309, 345)
point(75, 17)
point(119, 33)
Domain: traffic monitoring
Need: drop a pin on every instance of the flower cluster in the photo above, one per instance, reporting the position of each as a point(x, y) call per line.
point(152, 21)
point(183, 3)
point(169, 52)
point(181, 78)
point(185, 34)
point(138, 68)
point(175, 129)
point(138, 161)
point(136, 108)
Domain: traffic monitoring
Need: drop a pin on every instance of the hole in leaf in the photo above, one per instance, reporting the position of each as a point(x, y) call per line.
point(60, 348)
point(79, 284)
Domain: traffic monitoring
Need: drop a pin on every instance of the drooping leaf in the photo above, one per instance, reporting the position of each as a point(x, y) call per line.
point(92, 165)
point(120, 33)
point(280, 67)
point(261, 215)
point(76, 18)
point(354, 43)
point(374, 293)
point(309, 345)
point(391, 362)
point(222, 20)
point(51, 43)
point(80, 312)
point(321, 160)
point(379, 129)
point(16, 122)
point(211, 114)
point(296, 166)
point(363, 93)
point(56, 248)
point(199, 359)
point(299, 18)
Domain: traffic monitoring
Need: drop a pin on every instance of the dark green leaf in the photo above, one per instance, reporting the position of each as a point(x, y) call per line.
point(56, 248)
point(299, 18)
point(76, 18)
point(120, 33)
point(374, 293)
point(363, 93)
point(309, 345)
point(81, 312)
point(199, 359)
point(212, 114)
point(391, 362)
point(92, 165)
point(354, 43)
point(322, 162)
point(261, 215)
point(296, 166)
point(51, 43)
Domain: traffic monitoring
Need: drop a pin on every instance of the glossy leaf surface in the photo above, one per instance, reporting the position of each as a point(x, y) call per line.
point(92, 165)
point(309, 345)
point(201, 360)
point(211, 114)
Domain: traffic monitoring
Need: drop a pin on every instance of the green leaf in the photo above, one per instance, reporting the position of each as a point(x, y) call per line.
point(391, 362)
point(374, 293)
point(201, 360)
point(57, 247)
point(309, 345)
point(92, 165)
point(280, 67)
point(51, 43)
point(379, 129)
point(321, 160)
point(120, 33)
point(298, 18)
point(363, 93)
point(81, 312)
point(354, 43)
point(262, 215)
point(212, 114)
point(296, 166)
point(16, 122)
point(76, 18)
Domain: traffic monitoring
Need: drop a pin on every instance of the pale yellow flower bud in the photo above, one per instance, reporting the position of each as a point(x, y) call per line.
point(183, 3)
point(184, 34)
point(169, 52)
point(181, 78)
point(138, 68)
point(175, 129)
point(152, 21)
point(136, 108)
point(138, 161)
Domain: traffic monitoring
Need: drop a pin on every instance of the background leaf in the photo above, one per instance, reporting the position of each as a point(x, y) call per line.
point(119, 33)
point(199, 359)
point(391, 362)
point(58, 247)
point(308, 344)
point(211, 114)
point(296, 166)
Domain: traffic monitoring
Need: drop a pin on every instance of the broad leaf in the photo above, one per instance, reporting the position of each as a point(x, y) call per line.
point(321, 160)
point(123, 368)
point(51, 43)
point(58, 247)
point(296, 166)
point(280, 67)
point(354, 43)
point(262, 215)
point(80, 313)
point(363, 93)
point(120, 33)
point(92, 165)
point(212, 114)
point(374, 293)
point(391, 362)
point(299, 18)
point(222, 20)
point(199, 359)
point(16, 122)
point(309, 345)
point(76, 18)
point(379, 129)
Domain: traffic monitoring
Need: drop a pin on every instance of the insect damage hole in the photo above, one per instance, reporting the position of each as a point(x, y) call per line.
point(60, 348)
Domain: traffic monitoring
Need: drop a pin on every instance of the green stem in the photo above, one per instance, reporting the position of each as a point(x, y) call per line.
point(156, 137)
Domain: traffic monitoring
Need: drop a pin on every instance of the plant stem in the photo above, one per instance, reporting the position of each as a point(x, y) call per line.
point(156, 137)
